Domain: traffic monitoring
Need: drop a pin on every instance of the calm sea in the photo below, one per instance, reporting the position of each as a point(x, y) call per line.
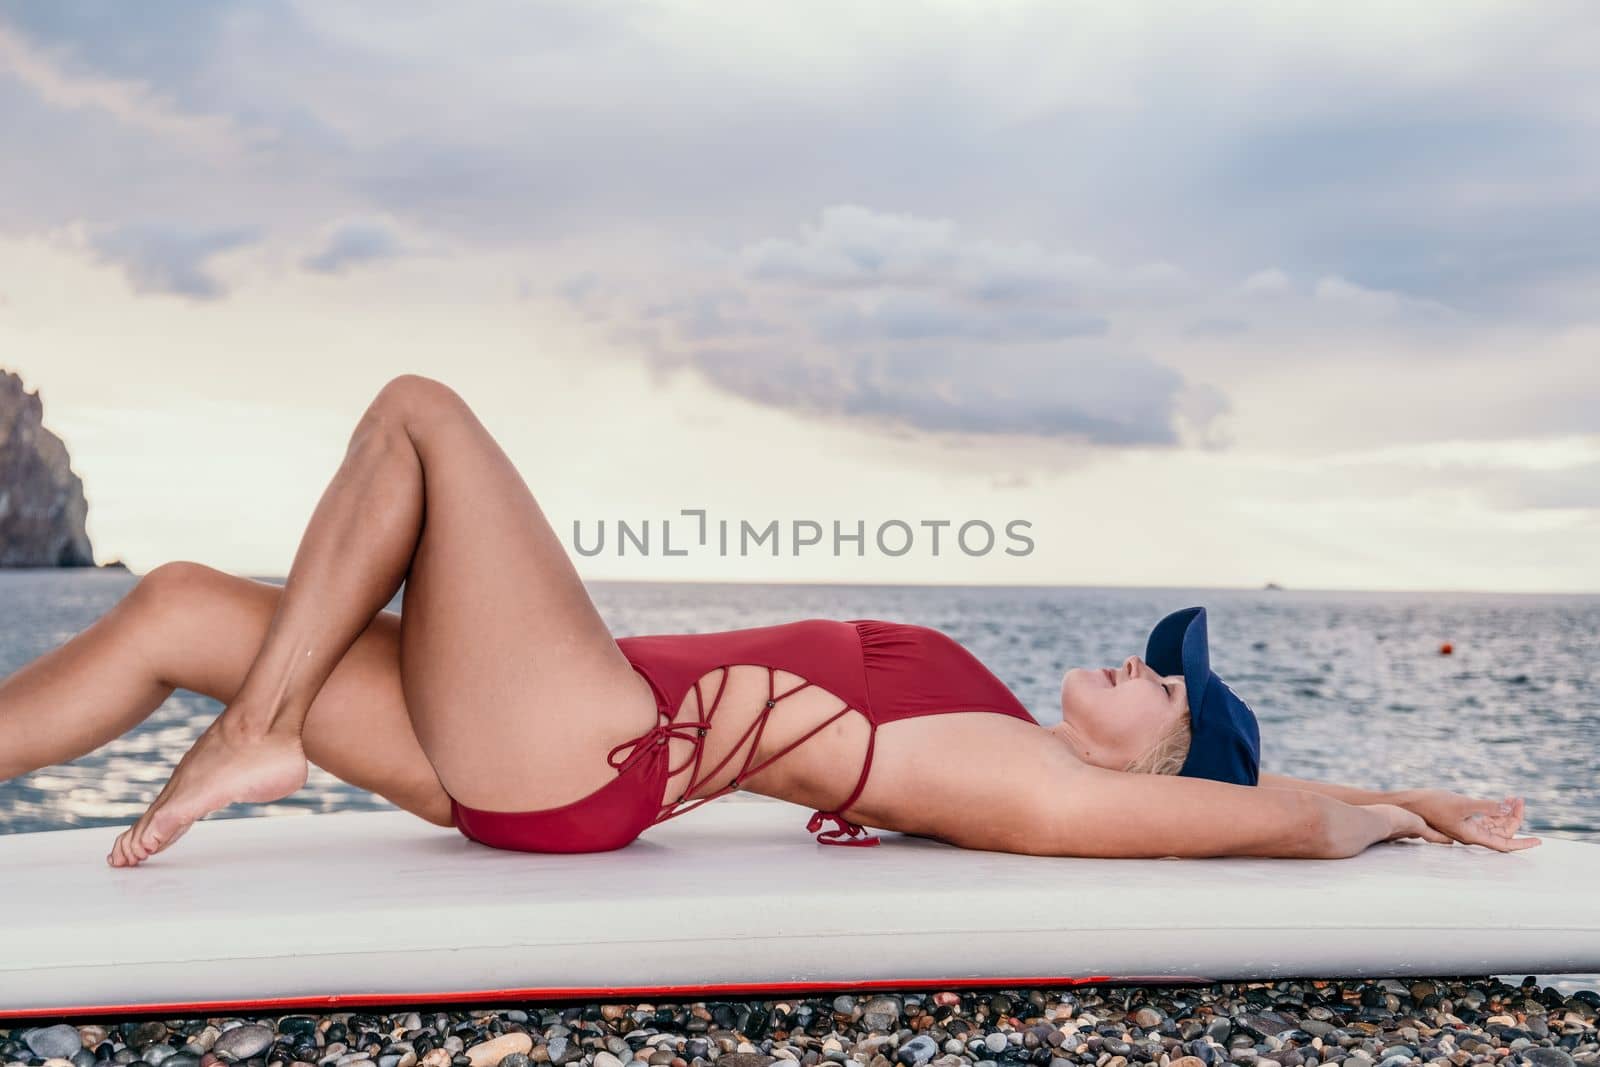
point(1348, 687)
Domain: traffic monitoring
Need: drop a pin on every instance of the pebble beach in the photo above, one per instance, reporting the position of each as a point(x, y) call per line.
point(1443, 1022)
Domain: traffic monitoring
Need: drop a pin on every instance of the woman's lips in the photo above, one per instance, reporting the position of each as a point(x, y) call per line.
point(1111, 675)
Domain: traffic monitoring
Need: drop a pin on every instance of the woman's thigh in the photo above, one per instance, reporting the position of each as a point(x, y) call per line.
point(515, 685)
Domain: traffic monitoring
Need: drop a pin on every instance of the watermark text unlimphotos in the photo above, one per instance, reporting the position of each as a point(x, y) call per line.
point(693, 532)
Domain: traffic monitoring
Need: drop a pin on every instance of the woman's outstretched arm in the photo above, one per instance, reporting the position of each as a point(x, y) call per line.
point(1050, 803)
point(1047, 802)
point(1347, 793)
point(1100, 812)
point(1469, 820)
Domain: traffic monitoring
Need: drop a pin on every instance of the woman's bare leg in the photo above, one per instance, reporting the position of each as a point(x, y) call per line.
point(504, 658)
point(189, 626)
point(79, 695)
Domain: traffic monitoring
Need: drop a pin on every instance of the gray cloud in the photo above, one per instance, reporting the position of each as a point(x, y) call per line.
point(170, 258)
point(898, 323)
point(1464, 181)
point(1219, 142)
point(920, 317)
point(1106, 401)
point(856, 248)
point(352, 243)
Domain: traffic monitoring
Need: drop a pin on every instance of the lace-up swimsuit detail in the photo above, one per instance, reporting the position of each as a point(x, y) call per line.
point(883, 670)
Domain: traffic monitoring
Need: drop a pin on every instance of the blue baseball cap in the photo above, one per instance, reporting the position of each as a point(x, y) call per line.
point(1225, 743)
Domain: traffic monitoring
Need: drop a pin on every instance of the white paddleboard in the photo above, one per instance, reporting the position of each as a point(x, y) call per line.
point(736, 898)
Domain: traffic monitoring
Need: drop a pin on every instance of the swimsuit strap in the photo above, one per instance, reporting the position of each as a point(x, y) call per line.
point(659, 735)
point(845, 830)
point(640, 746)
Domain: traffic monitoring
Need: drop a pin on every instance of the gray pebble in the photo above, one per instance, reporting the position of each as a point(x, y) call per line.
point(564, 1050)
point(53, 1042)
point(146, 1034)
point(881, 1013)
point(1546, 1057)
point(917, 1051)
point(242, 1042)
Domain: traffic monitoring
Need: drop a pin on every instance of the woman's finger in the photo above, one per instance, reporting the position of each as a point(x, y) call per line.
point(1506, 841)
point(1509, 844)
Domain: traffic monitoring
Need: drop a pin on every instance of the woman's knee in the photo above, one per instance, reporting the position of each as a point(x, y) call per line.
point(175, 584)
point(415, 396)
point(186, 622)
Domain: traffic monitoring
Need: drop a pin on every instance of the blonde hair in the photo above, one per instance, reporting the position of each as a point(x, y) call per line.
point(1166, 756)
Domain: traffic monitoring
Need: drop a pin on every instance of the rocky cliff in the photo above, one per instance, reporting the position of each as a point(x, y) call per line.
point(42, 508)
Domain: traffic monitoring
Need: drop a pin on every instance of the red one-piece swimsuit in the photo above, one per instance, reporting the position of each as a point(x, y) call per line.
point(885, 671)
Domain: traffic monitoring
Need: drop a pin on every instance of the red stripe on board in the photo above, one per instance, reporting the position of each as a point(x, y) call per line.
point(366, 1000)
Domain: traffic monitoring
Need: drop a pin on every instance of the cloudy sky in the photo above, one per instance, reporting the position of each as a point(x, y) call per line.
point(1206, 295)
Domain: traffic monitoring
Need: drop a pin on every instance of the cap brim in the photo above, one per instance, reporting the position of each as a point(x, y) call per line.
point(1178, 645)
point(1225, 740)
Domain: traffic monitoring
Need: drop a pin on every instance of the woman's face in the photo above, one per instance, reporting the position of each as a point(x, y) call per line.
point(1110, 716)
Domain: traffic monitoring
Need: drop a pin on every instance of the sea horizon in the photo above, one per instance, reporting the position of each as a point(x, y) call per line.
point(825, 583)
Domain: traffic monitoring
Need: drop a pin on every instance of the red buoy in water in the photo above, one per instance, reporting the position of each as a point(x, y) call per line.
point(1446, 648)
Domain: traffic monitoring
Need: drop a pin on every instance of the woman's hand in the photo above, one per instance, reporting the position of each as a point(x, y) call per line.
point(1353, 828)
point(1405, 823)
point(1490, 823)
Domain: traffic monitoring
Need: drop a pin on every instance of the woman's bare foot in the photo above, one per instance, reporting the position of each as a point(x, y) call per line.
point(224, 766)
